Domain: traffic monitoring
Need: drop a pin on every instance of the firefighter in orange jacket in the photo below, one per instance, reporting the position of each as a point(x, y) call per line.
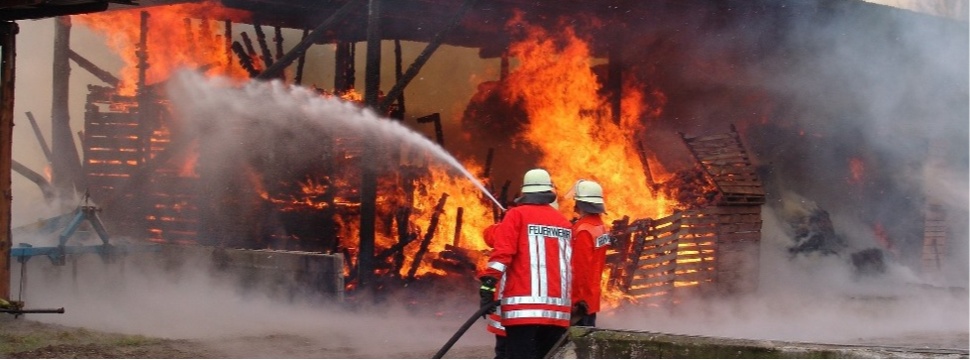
point(590, 240)
point(531, 256)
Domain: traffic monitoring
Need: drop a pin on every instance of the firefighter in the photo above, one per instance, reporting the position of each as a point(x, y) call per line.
point(494, 318)
point(529, 269)
point(590, 240)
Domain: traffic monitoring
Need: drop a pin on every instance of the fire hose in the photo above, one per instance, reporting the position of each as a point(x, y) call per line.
point(464, 327)
point(32, 311)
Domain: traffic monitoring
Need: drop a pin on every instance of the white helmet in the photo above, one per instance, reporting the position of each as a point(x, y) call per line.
point(588, 191)
point(536, 180)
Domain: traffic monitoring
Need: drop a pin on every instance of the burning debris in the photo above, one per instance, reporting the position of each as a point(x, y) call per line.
point(296, 183)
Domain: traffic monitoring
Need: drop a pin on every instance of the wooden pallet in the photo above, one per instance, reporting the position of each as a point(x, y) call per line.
point(728, 166)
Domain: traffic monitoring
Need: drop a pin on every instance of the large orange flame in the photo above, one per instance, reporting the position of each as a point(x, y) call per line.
point(171, 44)
point(571, 123)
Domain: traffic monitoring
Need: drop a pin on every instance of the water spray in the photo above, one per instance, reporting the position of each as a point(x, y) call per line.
point(215, 105)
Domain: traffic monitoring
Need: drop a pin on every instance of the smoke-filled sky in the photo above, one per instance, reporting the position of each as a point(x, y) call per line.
point(843, 90)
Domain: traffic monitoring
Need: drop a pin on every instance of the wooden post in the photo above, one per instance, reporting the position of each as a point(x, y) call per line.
point(398, 73)
point(263, 45)
point(487, 171)
point(458, 216)
point(343, 71)
point(8, 36)
point(227, 36)
point(614, 77)
point(368, 183)
point(65, 164)
point(278, 39)
point(250, 50)
point(299, 63)
point(423, 57)
point(428, 236)
point(298, 50)
point(244, 60)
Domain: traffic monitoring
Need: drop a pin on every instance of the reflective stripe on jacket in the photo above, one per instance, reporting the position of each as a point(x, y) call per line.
point(531, 247)
point(494, 320)
point(589, 258)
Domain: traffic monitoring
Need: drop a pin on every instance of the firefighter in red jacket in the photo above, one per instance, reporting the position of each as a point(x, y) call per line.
point(494, 319)
point(590, 240)
point(530, 268)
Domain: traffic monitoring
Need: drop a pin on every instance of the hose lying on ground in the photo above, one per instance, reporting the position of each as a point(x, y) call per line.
point(464, 327)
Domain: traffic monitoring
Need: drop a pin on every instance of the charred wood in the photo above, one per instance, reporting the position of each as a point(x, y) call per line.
point(45, 187)
point(458, 216)
point(318, 33)
point(487, 170)
point(244, 59)
point(227, 36)
point(438, 132)
point(250, 50)
point(646, 165)
point(86, 64)
point(263, 45)
point(299, 65)
point(398, 112)
point(424, 56)
point(40, 137)
point(278, 39)
point(438, 210)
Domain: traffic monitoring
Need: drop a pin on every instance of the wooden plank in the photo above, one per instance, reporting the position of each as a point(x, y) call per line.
point(754, 236)
point(710, 138)
point(659, 260)
point(739, 227)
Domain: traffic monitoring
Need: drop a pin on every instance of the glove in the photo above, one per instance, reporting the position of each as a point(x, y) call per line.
point(486, 293)
point(580, 308)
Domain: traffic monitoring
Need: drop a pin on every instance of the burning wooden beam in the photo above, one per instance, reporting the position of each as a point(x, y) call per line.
point(368, 174)
point(244, 60)
point(487, 170)
point(299, 65)
point(458, 215)
point(646, 165)
point(278, 40)
point(428, 235)
point(438, 132)
point(86, 64)
point(248, 43)
point(263, 45)
point(45, 187)
point(40, 137)
point(227, 37)
point(398, 113)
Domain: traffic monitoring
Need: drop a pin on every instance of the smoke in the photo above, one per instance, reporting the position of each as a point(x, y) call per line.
point(145, 294)
point(815, 299)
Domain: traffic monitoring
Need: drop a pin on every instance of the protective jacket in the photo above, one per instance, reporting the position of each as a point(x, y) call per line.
point(590, 241)
point(494, 320)
point(532, 250)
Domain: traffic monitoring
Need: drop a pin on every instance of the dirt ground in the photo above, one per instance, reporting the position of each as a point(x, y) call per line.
point(22, 338)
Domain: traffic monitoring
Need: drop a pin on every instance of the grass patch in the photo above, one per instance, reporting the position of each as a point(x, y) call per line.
point(10, 343)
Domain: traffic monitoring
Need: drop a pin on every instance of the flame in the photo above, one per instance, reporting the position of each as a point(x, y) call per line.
point(857, 170)
point(572, 124)
point(170, 43)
